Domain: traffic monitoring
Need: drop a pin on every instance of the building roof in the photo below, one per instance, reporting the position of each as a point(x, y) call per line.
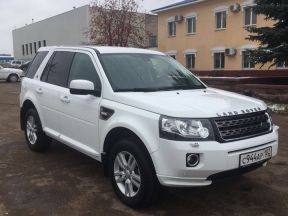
point(177, 5)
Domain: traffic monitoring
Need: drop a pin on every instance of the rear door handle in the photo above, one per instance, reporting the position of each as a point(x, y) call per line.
point(65, 99)
point(39, 91)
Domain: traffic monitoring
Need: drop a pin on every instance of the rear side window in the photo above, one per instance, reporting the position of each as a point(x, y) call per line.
point(57, 70)
point(83, 68)
point(35, 64)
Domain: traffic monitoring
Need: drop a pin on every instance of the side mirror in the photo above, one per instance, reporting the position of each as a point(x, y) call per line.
point(83, 87)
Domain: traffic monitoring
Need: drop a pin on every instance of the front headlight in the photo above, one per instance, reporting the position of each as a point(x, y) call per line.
point(186, 129)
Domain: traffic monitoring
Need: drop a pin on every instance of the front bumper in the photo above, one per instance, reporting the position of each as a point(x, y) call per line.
point(170, 159)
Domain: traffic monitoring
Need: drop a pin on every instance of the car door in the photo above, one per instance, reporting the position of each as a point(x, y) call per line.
point(81, 112)
point(53, 81)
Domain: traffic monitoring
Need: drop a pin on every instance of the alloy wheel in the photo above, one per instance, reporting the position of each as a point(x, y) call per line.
point(127, 174)
point(31, 130)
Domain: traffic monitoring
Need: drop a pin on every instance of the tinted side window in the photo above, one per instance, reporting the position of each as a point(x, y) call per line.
point(58, 69)
point(35, 64)
point(83, 68)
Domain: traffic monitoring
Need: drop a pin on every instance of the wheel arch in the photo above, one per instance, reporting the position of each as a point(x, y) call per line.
point(12, 74)
point(116, 134)
point(28, 104)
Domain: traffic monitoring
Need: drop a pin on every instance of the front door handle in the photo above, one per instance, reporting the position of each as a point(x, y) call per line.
point(65, 99)
point(39, 91)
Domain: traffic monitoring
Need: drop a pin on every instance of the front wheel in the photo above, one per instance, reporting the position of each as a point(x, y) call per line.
point(132, 174)
point(35, 137)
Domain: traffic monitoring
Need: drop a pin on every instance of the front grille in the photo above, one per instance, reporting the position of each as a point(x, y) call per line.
point(232, 128)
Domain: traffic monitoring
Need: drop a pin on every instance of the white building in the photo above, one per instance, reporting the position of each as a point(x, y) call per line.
point(70, 28)
point(67, 29)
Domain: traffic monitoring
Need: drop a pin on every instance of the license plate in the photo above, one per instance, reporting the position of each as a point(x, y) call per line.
point(255, 156)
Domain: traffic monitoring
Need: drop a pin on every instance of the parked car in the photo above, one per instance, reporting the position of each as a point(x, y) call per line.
point(10, 74)
point(148, 119)
point(16, 63)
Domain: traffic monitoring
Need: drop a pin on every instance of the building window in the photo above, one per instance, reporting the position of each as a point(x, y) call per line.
point(153, 41)
point(39, 44)
point(23, 50)
point(35, 47)
point(172, 29)
point(219, 60)
point(31, 48)
point(26, 46)
point(221, 19)
point(44, 43)
point(191, 25)
point(190, 61)
point(246, 60)
point(250, 17)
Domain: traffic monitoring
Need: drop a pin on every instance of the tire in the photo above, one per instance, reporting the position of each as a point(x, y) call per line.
point(36, 139)
point(13, 78)
point(136, 187)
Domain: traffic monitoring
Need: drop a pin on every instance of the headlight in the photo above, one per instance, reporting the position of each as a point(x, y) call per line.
point(186, 129)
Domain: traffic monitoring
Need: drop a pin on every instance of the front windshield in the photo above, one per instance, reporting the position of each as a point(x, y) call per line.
point(147, 72)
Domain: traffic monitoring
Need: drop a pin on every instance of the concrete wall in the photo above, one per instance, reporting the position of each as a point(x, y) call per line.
point(70, 28)
point(207, 37)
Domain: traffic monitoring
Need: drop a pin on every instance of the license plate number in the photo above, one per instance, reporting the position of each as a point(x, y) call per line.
point(255, 156)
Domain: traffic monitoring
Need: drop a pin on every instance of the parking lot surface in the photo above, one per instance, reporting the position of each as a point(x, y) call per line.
point(65, 182)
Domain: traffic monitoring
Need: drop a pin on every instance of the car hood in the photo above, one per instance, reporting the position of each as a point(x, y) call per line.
point(204, 103)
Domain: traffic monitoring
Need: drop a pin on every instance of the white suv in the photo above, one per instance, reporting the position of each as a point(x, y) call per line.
point(149, 120)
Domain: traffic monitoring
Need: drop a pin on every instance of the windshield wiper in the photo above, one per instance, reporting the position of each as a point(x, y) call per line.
point(189, 87)
point(137, 90)
point(170, 88)
point(146, 89)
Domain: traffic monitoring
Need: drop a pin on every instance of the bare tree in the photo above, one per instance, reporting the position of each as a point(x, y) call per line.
point(117, 23)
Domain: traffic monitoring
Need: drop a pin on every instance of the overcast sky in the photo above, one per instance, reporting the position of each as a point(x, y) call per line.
point(17, 13)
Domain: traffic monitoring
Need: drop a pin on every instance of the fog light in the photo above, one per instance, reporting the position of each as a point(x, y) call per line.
point(192, 160)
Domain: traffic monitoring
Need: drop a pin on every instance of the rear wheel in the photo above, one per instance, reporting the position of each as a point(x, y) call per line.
point(13, 78)
point(132, 174)
point(35, 137)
